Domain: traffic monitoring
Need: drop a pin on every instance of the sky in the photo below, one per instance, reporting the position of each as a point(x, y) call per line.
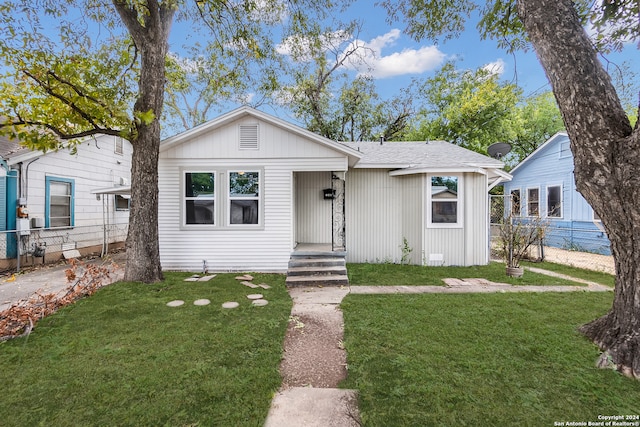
point(398, 58)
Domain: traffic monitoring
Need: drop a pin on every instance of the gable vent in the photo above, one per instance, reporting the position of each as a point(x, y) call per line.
point(249, 137)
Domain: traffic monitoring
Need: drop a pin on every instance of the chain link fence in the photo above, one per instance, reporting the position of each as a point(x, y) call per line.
point(42, 246)
point(579, 244)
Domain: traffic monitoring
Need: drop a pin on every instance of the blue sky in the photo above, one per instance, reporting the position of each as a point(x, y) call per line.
point(398, 58)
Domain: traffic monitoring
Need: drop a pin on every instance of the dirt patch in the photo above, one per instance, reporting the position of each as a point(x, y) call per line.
point(313, 351)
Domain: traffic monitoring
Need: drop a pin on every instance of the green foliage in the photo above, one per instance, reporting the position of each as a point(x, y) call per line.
point(475, 109)
point(469, 108)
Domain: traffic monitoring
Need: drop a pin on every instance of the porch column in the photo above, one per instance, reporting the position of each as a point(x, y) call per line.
point(337, 212)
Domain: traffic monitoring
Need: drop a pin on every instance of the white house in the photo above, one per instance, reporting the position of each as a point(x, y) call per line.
point(246, 190)
point(50, 198)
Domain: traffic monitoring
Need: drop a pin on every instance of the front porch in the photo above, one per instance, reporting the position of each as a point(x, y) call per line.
point(316, 264)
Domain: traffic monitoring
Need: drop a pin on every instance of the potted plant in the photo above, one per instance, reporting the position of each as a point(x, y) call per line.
point(517, 235)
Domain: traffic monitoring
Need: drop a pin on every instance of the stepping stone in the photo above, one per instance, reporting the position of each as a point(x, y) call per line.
point(260, 302)
point(175, 303)
point(264, 286)
point(254, 296)
point(193, 278)
point(206, 278)
point(245, 277)
point(201, 302)
point(249, 284)
point(230, 304)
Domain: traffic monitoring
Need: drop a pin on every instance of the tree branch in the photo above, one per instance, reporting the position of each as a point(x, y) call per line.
point(64, 100)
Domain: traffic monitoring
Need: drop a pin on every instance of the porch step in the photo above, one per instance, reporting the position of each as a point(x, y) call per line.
point(325, 269)
point(318, 270)
point(324, 261)
point(318, 280)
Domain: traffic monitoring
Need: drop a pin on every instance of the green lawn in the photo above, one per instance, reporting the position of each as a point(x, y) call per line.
point(122, 357)
point(593, 276)
point(411, 275)
point(480, 359)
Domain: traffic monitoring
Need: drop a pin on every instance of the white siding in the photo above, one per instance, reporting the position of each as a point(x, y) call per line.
point(383, 210)
point(467, 245)
point(476, 219)
point(313, 212)
point(94, 166)
point(280, 154)
point(373, 216)
point(413, 214)
point(273, 143)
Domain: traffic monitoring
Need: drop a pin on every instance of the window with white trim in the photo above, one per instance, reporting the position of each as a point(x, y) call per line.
point(118, 147)
point(533, 201)
point(199, 198)
point(444, 201)
point(122, 202)
point(554, 201)
point(244, 197)
point(515, 202)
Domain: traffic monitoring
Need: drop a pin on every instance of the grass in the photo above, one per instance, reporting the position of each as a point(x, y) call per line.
point(411, 275)
point(122, 357)
point(480, 359)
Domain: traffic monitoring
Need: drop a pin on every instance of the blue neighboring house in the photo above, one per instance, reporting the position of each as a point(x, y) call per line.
point(543, 185)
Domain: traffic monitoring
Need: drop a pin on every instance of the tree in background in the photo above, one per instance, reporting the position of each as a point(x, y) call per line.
point(605, 145)
point(331, 104)
point(72, 69)
point(472, 109)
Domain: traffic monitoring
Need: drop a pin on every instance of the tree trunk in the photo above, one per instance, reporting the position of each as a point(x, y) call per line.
point(606, 154)
point(150, 33)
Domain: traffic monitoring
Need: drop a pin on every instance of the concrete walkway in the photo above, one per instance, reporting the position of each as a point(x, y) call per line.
point(49, 279)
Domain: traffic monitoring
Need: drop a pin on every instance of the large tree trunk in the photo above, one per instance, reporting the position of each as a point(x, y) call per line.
point(606, 154)
point(150, 36)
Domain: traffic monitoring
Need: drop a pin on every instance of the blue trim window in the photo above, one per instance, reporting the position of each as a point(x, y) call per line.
point(59, 202)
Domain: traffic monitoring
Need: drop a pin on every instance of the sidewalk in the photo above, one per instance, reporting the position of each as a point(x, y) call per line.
point(49, 279)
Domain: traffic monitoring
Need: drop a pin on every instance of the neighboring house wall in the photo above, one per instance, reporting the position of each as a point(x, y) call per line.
point(58, 186)
point(548, 169)
point(94, 166)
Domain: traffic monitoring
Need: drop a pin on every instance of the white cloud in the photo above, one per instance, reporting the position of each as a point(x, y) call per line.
point(369, 58)
point(496, 67)
point(372, 62)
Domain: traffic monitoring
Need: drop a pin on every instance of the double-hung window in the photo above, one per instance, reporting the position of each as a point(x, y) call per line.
point(199, 198)
point(444, 201)
point(515, 202)
point(244, 197)
point(533, 201)
point(59, 200)
point(554, 201)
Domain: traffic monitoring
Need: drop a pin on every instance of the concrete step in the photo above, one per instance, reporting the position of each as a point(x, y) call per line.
point(317, 270)
point(318, 280)
point(320, 262)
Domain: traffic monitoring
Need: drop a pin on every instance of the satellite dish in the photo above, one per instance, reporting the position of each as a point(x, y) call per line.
point(498, 150)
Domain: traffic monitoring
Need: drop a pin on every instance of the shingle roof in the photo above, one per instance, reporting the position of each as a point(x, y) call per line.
point(419, 155)
point(10, 147)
